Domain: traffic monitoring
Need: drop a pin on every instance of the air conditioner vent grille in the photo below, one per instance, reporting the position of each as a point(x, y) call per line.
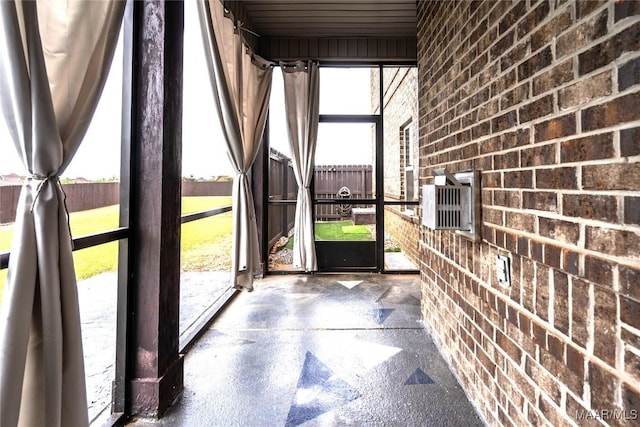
point(446, 207)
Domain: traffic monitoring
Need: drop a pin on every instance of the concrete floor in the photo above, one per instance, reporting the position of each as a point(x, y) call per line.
point(98, 303)
point(320, 350)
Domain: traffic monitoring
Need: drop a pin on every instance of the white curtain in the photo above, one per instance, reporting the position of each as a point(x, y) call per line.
point(241, 84)
point(301, 88)
point(54, 59)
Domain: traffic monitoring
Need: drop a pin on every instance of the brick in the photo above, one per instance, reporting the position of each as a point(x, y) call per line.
point(518, 138)
point(630, 400)
point(584, 8)
point(629, 282)
point(518, 179)
point(598, 271)
point(555, 347)
point(592, 147)
point(581, 301)
point(536, 63)
point(625, 9)
point(620, 110)
point(520, 221)
point(552, 255)
point(630, 141)
point(528, 285)
point(553, 78)
point(552, 413)
point(575, 361)
point(561, 302)
point(508, 160)
point(585, 91)
point(539, 335)
point(558, 178)
point(632, 364)
point(504, 82)
point(629, 74)
point(498, 10)
point(492, 216)
point(558, 127)
point(535, 417)
point(611, 177)
point(570, 261)
point(542, 292)
point(604, 328)
point(557, 25)
point(523, 246)
point(630, 311)
point(485, 360)
point(609, 50)
point(603, 387)
point(499, 47)
point(590, 206)
point(537, 251)
point(488, 110)
point(577, 411)
point(505, 121)
point(510, 199)
point(582, 35)
point(623, 243)
point(539, 200)
point(515, 96)
point(536, 109)
point(546, 381)
point(532, 19)
point(491, 179)
point(513, 56)
point(509, 347)
point(512, 17)
point(562, 231)
point(630, 338)
point(479, 64)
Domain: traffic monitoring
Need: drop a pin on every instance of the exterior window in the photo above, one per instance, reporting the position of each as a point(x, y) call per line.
point(409, 163)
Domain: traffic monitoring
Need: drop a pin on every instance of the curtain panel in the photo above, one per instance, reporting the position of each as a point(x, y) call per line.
point(302, 93)
point(54, 59)
point(241, 84)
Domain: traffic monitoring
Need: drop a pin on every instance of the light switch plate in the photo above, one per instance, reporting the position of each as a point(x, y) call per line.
point(503, 270)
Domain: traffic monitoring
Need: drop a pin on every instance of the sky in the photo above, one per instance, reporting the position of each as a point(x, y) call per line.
point(343, 91)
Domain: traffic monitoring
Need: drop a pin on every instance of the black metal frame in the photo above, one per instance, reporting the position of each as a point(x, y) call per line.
point(358, 264)
point(378, 201)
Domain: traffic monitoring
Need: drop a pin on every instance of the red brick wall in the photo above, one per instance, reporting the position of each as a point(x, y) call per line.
point(404, 229)
point(544, 98)
point(400, 111)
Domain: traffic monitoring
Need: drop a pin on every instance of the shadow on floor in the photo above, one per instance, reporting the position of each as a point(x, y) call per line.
point(320, 350)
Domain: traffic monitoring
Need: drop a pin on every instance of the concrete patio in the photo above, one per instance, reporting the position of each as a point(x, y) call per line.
point(316, 350)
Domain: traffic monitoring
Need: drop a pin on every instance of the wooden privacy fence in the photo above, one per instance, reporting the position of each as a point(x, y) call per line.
point(92, 195)
point(282, 186)
point(328, 180)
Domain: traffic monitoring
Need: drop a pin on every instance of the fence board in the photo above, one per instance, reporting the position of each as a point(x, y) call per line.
point(328, 180)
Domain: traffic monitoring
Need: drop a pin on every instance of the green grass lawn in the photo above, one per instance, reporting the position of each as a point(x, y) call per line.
point(341, 230)
point(200, 239)
point(338, 230)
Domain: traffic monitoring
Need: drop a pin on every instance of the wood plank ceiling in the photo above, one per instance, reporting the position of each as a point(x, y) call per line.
point(331, 30)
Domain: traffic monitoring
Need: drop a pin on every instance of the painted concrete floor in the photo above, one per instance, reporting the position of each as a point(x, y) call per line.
point(320, 350)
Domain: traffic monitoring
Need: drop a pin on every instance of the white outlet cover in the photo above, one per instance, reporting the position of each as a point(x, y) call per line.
point(503, 270)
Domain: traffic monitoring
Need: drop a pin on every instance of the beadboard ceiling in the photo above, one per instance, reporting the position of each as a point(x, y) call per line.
point(332, 18)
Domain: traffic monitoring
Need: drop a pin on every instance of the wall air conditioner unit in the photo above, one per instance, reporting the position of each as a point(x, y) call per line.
point(450, 203)
point(409, 185)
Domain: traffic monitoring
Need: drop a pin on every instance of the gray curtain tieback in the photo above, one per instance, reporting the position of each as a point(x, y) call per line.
point(43, 180)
